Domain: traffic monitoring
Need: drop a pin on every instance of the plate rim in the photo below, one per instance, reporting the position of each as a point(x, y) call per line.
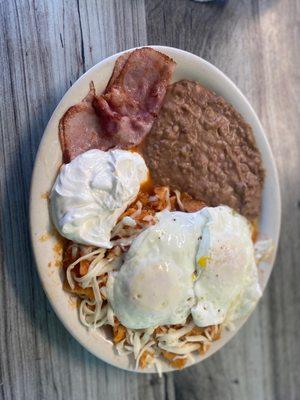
point(277, 196)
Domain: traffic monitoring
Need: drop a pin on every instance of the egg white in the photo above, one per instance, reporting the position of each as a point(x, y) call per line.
point(227, 287)
point(155, 283)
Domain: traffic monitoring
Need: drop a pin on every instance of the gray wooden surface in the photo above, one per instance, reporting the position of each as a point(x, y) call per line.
point(45, 45)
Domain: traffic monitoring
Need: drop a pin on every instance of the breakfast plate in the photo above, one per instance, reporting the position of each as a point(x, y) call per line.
point(47, 244)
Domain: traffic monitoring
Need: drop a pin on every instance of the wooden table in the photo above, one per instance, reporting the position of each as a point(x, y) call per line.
point(45, 46)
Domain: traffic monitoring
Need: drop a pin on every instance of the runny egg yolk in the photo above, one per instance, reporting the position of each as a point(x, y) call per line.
point(202, 261)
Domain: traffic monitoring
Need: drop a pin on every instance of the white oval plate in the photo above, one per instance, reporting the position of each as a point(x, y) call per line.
point(48, 161)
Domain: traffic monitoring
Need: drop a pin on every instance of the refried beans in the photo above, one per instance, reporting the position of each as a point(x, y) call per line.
point(201, 145)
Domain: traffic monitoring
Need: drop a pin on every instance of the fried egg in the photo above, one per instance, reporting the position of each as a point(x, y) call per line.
point(188, 263)
point(155, 284)
point(227, 286)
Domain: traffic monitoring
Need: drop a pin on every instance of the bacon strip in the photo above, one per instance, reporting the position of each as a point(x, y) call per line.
point(121, 61)
point(80, 129)
point(123, 115)
point(134, 96)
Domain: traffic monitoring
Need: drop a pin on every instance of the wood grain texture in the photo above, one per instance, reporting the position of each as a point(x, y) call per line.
point(44, 47)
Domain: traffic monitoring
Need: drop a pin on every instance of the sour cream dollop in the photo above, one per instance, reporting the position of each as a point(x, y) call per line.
point(92, 191)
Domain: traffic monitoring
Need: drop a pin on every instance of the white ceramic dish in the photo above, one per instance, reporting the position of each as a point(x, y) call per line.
point(48, 161)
